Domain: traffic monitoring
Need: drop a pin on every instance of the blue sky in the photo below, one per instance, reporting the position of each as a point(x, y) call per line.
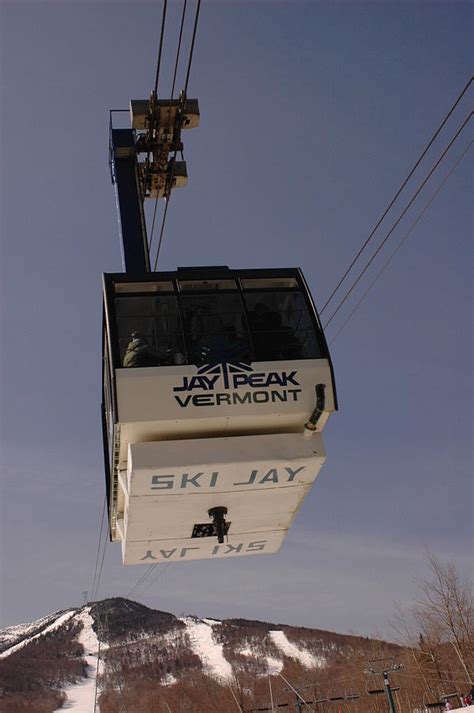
point(312, 114)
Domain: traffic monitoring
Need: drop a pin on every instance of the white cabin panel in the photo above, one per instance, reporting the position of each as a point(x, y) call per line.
point(148, 431)
point(214, 465)
point(183, 550)
point(217, 384)
point(188, 392)
point(173, 517)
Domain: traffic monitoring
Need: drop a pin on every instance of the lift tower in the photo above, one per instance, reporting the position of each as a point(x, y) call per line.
point(155, 131)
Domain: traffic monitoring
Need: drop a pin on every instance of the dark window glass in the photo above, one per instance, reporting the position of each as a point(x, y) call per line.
point(281, 326)
point(215, 328)
point(149, 331)
point(162, 329)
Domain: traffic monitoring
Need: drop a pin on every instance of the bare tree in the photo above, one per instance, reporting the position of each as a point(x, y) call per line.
point(445, 609)
point(438, 629)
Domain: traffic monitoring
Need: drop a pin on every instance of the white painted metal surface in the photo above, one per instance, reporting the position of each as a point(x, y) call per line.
point(179, 402)
point(188, 439)
point(168, 487)
point(206, 548)
point(273, 389)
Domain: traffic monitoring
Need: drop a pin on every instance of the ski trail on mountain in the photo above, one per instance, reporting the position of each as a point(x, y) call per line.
point(12, 635)
point(81, 695)
point(203, 644)
point(274, 666)
point(56, 624)
point(305, 658)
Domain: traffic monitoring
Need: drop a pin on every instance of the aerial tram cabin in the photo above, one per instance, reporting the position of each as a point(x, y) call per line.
point(217, 383)
point(213, 381)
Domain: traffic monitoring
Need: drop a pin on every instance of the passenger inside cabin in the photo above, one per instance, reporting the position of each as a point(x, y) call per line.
point(271, 339)
point(212, 337)
point(139, 353)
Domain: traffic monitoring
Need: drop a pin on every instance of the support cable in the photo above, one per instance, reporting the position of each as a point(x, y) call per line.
point(161, 571)
point(271, 694)
point(144, 576)
point(196, 18)
point(96, 593)
point(403, 240)
point(100, 636)
point(422, 155)
point(294, 690)
point(96, 691)
point(445, 682)
point(234, 697)
point(184, 94)
point(154, 96)
point(98, 547)
point(183, 15)
point(405, 210)
point(160, 49)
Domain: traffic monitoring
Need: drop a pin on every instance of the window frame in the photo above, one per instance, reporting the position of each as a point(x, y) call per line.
point(127, 295)
point(235, 291)
point(310, 312)
point(210, 274)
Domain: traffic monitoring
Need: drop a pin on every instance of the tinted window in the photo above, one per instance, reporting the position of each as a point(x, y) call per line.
point(281, 326)
point(156, 329)
point(214, 328)
point(149, 331)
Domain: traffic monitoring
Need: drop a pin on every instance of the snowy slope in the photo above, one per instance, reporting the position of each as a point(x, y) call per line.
point(24, 634)
point(174, 646)
point(206, 647)
point(305, 658)
point(12, 635)
point(81, 696)
point(274, 666)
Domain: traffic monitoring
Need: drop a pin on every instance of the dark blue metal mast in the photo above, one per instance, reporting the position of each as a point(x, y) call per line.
point(128, 196)
point(156, 132)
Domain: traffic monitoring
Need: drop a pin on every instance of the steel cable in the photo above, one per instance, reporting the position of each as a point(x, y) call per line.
point(96, 593)
point(161, 571)
point(153, 98)
point(196, 18)
point(144, 576)
point(183, 15)
point(412, 171)
point(188, 72)
point(160, 49)
point(405, 210)
point(403, 240)
point(98, 547)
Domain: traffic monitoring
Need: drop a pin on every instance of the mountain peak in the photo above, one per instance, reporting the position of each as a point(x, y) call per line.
point(124, 649)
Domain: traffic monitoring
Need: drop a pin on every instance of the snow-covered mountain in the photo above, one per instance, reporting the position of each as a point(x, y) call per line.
point(119, 655)
point(121, 631)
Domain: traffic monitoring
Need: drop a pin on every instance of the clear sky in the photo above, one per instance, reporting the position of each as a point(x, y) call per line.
point(312, 114)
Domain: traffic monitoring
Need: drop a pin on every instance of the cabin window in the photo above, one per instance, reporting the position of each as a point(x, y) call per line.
point(281, 326)
point(121, 287)
point(262, 283)
point(201, 285)
point(215, 328)
point(149, 330)
point(257, 320)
